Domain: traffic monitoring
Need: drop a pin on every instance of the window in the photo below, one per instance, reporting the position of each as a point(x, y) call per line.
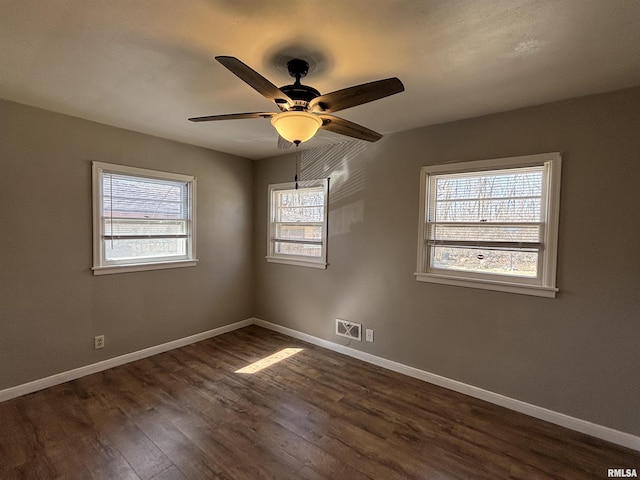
point(142, 219)
point(491, 224)
point(298, 223)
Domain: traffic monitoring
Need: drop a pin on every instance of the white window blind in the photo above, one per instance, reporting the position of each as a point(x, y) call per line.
point(142, 216)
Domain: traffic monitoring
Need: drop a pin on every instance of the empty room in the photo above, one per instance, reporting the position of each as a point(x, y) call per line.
point(300, 239)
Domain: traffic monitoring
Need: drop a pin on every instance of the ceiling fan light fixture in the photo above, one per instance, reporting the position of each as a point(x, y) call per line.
point(296, 126)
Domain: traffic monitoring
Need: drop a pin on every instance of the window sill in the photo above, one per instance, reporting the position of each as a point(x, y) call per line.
point(522, 289)
point(141, 267)
point(298, 262)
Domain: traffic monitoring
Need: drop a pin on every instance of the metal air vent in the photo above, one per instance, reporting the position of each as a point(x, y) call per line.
point(349, 329)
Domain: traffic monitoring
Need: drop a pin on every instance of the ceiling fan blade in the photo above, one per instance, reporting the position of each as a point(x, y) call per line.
point(350, 129)
point(254, 79)
point(356, 95)
point(233, 116)
point(283, 144)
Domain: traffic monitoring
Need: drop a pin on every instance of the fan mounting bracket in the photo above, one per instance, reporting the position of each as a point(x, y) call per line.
point(298, 68)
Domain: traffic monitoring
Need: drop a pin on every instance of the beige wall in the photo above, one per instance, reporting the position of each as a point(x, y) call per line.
point(578, 354)
point(51, 305)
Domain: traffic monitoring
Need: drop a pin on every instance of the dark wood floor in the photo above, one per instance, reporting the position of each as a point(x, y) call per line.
point(317, 414)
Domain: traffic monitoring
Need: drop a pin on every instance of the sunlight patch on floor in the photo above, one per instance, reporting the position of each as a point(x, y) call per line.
point(270, 360)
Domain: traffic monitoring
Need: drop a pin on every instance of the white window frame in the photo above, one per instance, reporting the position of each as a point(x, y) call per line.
point(299, 260)
point(544, 285)
point(102, 266)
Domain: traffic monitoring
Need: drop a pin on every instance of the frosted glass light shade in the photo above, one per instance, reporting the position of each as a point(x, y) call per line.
point(296, 127)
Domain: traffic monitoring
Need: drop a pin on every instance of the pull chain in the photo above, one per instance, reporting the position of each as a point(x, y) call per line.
point(297, 164)
point(111, 207)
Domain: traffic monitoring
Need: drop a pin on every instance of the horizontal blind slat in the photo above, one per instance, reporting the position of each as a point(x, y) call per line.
point(140, 237)
point(481, 244)
point(305, 242)
point(485, 224)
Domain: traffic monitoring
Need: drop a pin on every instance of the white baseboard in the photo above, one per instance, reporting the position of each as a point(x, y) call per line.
point(576, 424)
point(63, 377)
point(598, 431)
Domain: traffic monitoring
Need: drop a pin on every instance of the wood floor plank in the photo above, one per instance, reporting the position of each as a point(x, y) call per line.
point(190, 414)
point(16, 443)
point(171, 473)
point(191, 460)
point(139, 451)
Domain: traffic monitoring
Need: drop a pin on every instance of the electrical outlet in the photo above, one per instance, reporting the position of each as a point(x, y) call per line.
point(98, 342)
point(368, 335)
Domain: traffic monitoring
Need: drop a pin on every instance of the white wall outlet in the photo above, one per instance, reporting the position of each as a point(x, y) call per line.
point(368, 335)
point(98, 342)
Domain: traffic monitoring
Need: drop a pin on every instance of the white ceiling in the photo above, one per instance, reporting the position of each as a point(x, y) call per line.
point(147, 65)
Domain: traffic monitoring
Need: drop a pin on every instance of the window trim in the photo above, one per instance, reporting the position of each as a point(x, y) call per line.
point(546, 285)
point(100, 265)
point(297, 260)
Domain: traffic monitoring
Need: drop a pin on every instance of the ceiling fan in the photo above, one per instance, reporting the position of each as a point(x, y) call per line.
point(303, 110)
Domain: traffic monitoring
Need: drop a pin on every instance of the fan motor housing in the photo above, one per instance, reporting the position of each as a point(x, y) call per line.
point(300, 92)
